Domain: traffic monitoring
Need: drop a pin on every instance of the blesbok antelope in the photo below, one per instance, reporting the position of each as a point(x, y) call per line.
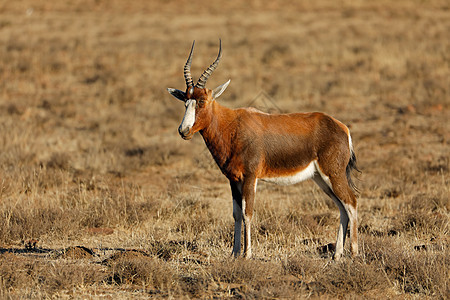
point(249, 145)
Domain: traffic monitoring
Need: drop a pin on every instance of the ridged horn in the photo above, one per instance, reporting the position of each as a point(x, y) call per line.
point(202, 80)
point(187, 68)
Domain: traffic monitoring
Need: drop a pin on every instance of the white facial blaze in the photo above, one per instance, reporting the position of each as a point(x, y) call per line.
point(189, 115)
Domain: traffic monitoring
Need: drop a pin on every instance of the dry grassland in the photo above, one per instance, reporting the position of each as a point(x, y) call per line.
point(101, 198)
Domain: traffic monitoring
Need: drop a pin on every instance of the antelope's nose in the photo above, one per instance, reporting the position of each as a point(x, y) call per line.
point(183, 131)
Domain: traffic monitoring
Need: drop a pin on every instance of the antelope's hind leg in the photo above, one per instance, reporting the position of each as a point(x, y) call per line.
point(343, 220)
point(344, 192)
point(338, 189)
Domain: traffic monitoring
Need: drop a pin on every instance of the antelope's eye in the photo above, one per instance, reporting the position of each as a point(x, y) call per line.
point(201, 102)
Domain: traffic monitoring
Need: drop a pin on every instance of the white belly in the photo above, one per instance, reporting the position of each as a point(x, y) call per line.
point(304, 174)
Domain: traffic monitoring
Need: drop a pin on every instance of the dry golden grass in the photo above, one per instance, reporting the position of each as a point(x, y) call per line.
point(93, 169)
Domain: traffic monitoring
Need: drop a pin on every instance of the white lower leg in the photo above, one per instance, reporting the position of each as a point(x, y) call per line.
point(342, 231)
point(247, 237)
point(353, 215)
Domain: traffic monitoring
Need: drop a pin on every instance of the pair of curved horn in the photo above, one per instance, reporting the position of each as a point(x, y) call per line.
point(205, 75)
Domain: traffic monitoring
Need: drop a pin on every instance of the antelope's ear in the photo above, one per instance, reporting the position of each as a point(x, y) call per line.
point(180, 95)
point(220, 89)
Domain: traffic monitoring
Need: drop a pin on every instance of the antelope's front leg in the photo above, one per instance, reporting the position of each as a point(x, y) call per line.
point(236, 190)
point(248, 197)
point(237, 215)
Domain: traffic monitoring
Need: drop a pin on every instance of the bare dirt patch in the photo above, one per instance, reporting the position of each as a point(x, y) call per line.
point(77, 252)
point(125, 255)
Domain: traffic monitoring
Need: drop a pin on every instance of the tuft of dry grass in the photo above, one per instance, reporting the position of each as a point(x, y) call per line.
point(411, 270)
point(141, 271)
point(38, 277)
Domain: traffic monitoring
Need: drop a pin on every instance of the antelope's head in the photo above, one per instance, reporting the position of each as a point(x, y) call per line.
point(197, 99)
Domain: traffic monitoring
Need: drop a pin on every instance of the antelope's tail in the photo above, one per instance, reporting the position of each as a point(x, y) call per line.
point(352, 166)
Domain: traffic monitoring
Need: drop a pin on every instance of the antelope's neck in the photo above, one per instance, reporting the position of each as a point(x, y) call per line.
point(218, 136)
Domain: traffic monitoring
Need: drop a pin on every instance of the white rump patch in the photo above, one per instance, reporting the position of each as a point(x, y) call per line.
point(306, 173)
point(350, 142)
